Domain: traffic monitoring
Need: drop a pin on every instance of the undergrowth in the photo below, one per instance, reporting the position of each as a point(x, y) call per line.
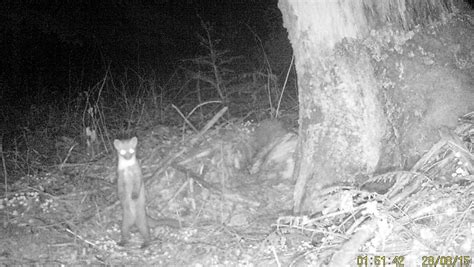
point(78, 125)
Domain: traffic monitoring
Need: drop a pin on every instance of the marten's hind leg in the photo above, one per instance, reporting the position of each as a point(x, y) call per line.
point(128, 220)
point(142, 223)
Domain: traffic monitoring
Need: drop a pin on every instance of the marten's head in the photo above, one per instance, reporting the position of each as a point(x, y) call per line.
point(126, 148)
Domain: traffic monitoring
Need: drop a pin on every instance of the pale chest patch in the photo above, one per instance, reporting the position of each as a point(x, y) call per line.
point(126, 163)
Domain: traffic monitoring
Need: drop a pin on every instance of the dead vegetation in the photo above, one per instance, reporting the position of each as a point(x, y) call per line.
point(201, 186)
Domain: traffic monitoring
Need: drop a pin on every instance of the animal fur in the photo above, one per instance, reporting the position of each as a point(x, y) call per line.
point(131, 191)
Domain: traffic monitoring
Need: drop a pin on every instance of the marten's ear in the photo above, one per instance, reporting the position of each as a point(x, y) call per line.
point(117, 144)
point(133, 141)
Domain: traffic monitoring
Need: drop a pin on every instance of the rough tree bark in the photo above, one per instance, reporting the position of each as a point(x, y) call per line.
point(341, 120)
point(343, 126)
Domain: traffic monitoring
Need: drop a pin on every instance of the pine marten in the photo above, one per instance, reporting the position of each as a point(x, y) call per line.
point(131, 191)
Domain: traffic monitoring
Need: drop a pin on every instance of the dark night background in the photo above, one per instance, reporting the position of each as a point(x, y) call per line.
point(59, 44)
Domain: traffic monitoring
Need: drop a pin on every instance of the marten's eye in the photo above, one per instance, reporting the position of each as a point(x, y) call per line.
point(131, 151)
point(123, 152)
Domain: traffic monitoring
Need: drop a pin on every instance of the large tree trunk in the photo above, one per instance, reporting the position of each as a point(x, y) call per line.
point(341, 118)
point(341, 121)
